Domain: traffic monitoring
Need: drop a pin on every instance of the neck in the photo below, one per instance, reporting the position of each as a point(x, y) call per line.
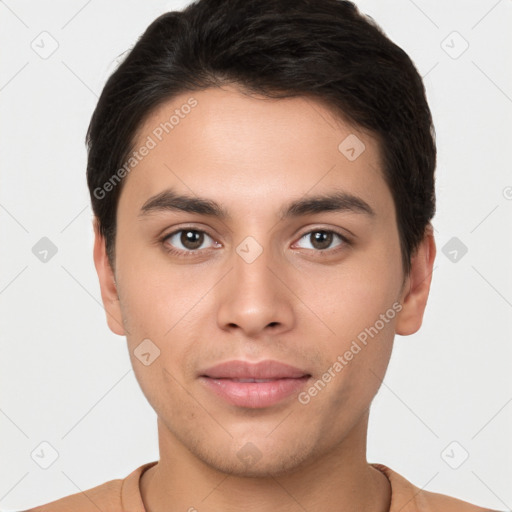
point(340, 479)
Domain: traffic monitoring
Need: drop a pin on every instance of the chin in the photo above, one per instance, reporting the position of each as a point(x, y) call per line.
point(252, 462)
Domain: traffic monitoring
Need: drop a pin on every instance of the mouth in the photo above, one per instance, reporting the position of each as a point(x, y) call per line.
point(254, 385)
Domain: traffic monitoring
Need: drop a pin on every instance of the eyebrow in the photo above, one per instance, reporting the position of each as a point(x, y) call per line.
point(170, 200)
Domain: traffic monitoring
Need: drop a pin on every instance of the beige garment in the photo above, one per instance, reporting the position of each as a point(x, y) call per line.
point(123, 495)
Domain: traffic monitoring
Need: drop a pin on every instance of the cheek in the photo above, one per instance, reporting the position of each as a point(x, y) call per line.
point(165, 305)
point(359, 305)
point(355, 360)
point(155, 296)
point(354, 297)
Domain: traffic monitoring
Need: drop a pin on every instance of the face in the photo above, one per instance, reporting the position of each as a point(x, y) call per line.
point(257, 230)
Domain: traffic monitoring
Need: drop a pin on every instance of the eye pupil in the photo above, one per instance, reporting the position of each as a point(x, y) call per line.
point(321, 239)
point(192, 239)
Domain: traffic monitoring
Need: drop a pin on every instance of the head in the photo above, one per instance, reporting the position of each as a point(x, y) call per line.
point(262, 179)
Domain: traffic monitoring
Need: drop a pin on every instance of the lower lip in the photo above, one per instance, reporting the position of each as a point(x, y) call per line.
point(255, 395)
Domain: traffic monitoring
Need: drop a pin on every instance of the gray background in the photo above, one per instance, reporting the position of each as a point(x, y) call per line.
point(66, 380)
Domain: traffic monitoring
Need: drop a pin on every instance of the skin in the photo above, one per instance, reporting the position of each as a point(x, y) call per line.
point(295, 303)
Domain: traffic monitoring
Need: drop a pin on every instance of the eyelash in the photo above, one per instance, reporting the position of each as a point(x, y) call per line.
point(187, 254)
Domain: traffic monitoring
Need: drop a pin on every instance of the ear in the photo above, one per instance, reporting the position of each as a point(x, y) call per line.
point(107, 283)
point(417, 286)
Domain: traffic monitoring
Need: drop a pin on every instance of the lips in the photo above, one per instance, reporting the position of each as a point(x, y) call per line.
point(268, 369)
point(254, 385)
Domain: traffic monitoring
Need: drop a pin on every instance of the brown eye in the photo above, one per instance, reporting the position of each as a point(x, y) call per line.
point(187, 239)
point(322, 240)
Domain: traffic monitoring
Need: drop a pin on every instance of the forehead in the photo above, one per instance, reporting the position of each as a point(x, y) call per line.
point(241, 150)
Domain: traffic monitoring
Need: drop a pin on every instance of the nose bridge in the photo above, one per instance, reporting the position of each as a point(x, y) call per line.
point(253, 298)
point(253, 276)
point(253, 282)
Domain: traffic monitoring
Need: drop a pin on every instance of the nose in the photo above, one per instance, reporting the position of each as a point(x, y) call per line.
point(254, 297)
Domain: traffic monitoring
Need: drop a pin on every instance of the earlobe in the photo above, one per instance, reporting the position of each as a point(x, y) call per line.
point(417, 288)
point(108, 285)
